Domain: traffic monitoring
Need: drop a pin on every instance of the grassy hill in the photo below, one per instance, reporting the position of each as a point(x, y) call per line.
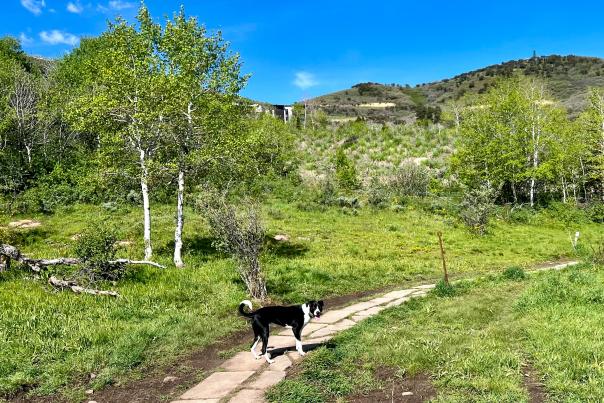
point(568, 78)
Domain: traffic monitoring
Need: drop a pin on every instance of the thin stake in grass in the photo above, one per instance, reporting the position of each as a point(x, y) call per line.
point(442, 255)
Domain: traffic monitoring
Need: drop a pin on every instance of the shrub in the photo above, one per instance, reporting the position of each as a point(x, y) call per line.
point(410, 180)
point(514, 273)
point(346, 173)
point(240, 234)
point(327, 193)
point(476, 208)
point(377, 193)
point(595, 212)
point(444, 289)
point(95, 248)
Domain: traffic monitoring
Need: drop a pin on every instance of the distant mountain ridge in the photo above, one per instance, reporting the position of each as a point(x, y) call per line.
point(568, 78)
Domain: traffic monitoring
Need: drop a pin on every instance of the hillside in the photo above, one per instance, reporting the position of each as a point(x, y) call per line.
point(568, 78)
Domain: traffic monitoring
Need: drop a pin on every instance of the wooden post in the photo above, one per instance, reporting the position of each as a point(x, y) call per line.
point(442, 255)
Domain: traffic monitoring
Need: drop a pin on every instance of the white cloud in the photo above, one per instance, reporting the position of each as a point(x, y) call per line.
point(120, 5)
point(115, 5)
point(34, 6)
point(56, 37)
point(25, 40)
point(75, 8)
point(304, 80)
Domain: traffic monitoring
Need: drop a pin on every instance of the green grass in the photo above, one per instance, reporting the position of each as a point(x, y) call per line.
point(50, 341)
point(474, 345)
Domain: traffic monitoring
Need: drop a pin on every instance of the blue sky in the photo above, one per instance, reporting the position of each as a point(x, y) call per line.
point(307, 48)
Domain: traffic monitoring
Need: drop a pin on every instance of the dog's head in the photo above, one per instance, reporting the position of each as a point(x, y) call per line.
point(315, 308)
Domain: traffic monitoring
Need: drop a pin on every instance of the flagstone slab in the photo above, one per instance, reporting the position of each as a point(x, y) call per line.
point(281, 341)
point(358, 318)
point(397, 302)
point(319, 340)
point(334, 316)
point(425, 287)
point(343, 324)
point(267, 379)
point(248, 396)
point(243, 361)
point(382, 300)
point(400, 293)
point(371, 311)
point(361, 306)
point(294, 356)
point(308, 329)
point(197, 401)
point(326, 331)
point(217, 385)
point(281, 363)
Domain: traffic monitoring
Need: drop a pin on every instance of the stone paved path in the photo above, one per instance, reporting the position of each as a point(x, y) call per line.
point(243, 379)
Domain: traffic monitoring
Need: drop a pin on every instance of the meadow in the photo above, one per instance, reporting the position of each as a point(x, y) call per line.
point(50, 341)
point(504, 338)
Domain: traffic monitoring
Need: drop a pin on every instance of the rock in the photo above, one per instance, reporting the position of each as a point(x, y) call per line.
point(89, 391)
point(92, 375)
point(123, 243)
point(170, 379)
point(281, 238)
point(92, 401)
point(24, 224)
point(407, 393)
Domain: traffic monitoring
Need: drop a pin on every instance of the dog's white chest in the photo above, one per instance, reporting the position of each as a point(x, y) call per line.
point(306, 310)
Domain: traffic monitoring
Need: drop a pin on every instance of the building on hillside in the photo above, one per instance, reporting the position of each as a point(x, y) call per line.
point(284, 112)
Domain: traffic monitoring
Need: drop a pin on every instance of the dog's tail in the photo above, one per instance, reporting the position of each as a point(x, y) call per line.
point(249, 305)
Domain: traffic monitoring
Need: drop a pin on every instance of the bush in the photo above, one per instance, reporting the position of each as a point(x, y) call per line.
point(410, 180)
point(444, 289)
point(327, 193)
point(377, 193)
point(95, 248)
point(514, 273)
point(241, 234)
point(595, 212)
point(346, 173)
point(476, 208)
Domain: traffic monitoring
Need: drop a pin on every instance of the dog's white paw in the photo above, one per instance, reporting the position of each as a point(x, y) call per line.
point(268, 358)
point(302, 353)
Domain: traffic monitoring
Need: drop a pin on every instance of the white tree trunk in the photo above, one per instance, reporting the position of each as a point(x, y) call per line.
point(563, 190)
point(179, 220)
point(146, 207)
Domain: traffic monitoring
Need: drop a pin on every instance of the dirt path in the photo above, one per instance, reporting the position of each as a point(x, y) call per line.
point(242, 379)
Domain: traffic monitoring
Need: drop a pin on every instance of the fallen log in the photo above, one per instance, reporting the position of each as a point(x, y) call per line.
point(11, 252)
point(73, 286)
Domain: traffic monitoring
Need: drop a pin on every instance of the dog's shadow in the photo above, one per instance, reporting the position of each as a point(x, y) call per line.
point(276, 352)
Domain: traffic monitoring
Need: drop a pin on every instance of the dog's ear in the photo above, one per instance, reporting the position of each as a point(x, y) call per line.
point(320, 304)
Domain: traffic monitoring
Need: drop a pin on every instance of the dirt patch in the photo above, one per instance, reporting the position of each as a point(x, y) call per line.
point(533, 385)
point(554, 263)
point(408, 389)
point(23, 224)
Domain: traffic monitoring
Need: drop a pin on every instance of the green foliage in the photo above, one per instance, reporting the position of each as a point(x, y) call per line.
point(444, 289)
point(96, 248)
point(345, 171)
point(476, 208)
point(514, 273)
point(410, 180)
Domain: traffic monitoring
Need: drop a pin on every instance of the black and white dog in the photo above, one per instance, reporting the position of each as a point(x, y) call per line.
point(296, 316)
